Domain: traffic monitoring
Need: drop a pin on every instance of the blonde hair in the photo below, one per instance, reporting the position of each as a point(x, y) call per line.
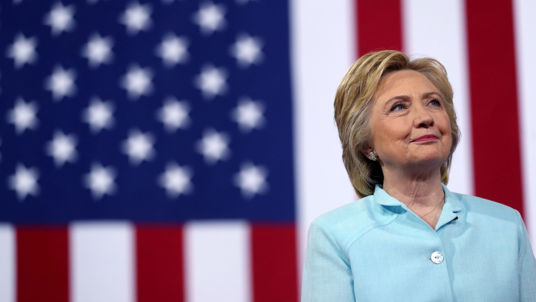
point(353, 103)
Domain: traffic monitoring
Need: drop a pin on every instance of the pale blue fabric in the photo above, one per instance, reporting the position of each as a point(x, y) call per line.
point(376, 250)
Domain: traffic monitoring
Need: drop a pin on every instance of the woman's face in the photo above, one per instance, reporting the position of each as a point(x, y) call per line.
point(410, 126)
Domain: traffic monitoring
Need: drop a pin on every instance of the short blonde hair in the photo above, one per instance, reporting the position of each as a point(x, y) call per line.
point(353, 103)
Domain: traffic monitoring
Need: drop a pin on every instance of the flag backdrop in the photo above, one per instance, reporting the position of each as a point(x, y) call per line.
point(177, 150)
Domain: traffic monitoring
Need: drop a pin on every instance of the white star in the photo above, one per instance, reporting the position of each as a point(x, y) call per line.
point(23, 115)
point(174, 114)
point(172, 50)
point(60, 18)
point(211, 81)
point(137, 81)
point(100, 180)
point(24, 181)
point(247, 50)
point(99, 115)
point(62, 148)
point(248, 114)
point(61, 83)
point(209, 17)
point(213, 146)
point(139, 147)
point(98, 50)
point(251, 180)
point(176, 180)
point(136, 18)
point(22, 51)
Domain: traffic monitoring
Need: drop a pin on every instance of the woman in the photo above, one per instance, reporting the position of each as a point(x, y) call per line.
point(409, 238)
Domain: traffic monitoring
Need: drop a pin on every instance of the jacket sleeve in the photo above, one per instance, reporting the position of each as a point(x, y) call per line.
point(327, 274)
point(527, 266)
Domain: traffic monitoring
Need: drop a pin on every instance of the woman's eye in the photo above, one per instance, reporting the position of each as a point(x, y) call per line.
point(398, 107)
point(435, 102)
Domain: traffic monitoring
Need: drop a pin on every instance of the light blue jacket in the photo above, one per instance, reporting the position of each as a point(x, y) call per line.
point(377, 249)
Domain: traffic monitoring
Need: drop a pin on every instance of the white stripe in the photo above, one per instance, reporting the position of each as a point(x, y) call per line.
point(102, 260)
point(217, 262)
point(525, 32)
point(322, 51)
point(437, 29)
point(7, 263)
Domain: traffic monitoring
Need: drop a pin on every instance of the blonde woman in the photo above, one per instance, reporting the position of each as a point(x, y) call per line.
point(409, 238)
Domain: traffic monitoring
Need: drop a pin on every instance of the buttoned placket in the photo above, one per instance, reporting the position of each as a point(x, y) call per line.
point(438, 258)
point(449, 215)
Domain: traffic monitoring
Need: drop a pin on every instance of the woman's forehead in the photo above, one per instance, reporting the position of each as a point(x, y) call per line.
point(402, 82)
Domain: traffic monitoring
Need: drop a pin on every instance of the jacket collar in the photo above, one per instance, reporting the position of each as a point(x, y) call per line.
point(451, 209)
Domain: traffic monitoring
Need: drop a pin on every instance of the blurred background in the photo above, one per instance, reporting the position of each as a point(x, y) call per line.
point(177, 150)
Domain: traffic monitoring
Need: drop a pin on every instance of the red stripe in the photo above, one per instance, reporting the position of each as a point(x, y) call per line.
point(42, 264)
point(494, 107)
point(159, 263)
point(379, 25)
point(274, 265)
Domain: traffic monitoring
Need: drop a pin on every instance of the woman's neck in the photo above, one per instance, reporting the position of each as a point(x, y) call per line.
point(423, 194)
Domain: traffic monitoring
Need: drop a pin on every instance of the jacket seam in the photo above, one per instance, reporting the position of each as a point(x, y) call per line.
point(370, 228)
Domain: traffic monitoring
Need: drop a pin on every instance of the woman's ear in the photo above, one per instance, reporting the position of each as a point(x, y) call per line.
point(368, 151)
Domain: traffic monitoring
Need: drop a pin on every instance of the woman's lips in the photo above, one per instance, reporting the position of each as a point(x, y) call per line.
point(425, 138)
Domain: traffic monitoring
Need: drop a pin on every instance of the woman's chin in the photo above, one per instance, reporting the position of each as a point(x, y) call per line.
point(429, 162)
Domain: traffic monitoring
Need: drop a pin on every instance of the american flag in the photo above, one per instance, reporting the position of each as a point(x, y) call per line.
point(143, 116)
point(176, 150)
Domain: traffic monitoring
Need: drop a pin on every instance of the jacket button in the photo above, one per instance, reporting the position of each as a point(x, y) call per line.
point(436, 257)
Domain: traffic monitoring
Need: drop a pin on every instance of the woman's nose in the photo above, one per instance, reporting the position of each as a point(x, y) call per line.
point(422, 118)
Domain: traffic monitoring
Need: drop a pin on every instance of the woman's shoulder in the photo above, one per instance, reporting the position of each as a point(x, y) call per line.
point(346, 222)
point(478, 206)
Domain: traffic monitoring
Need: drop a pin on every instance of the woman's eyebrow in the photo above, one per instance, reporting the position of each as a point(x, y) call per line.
point(427, 94)
point(397, 97)
point(405, 97)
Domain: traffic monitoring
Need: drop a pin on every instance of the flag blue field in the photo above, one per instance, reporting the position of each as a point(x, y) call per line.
point(150, 112)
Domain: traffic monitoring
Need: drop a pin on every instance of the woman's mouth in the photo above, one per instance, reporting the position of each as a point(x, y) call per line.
point(425, 138)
